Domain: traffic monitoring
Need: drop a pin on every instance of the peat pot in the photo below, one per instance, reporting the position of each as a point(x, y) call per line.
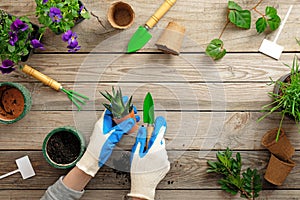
point(278, 170)
point(63, 147)
point(283, 149)
point(15, 102)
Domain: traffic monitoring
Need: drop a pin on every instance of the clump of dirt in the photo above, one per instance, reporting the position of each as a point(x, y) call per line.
point(12, 103)
point(63, 147)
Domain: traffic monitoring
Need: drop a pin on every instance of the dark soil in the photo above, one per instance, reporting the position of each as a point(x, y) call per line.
point(63, 147)
point(122, 16)
point(11, 103)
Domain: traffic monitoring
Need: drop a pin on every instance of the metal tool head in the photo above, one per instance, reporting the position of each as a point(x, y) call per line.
point(148, 111)
point(271, 49)
point(138, 39)
point(25, 167)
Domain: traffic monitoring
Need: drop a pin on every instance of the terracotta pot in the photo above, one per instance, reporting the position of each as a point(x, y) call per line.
point(130, 115)
point(63, 147)
point(120, 15)
point(282, 149)
point(15, 102)
point(278, 170)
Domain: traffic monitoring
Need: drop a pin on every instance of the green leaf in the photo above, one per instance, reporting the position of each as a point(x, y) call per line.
point(11, 49)
point(241, 18)
point(215, 49)
point(261, 25)
point(234, 6)
point(271, 11)
point(274, 22)
point(85, 14)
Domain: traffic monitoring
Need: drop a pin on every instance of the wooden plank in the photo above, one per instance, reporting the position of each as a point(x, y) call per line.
point(192, 14)
point(158, 67)
point(188, 171)
point(167, 96)
point(186, 130)
point(160, 194)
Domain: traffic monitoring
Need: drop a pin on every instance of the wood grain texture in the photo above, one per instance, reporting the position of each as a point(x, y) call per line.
point(186, 130)
point(195, 15)
point(158, 67)
point(167, 96)
point(188, 171)
point(160, 194)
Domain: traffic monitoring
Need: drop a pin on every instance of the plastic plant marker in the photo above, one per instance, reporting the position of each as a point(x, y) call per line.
point(142, 36)
point(24, 167)
point(271, 48)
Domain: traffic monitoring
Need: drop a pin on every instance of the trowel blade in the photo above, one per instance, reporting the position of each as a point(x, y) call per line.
point(25, 167)
point(271, 49)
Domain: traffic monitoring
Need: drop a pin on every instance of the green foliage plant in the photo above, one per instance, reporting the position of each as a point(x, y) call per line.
point(70, 11)
point(242, 19)
point(117, 106)
point(287, 101)
point(248, 183)
point(16, 36)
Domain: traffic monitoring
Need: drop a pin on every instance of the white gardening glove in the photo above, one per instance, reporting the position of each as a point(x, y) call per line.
point(102, 142)
point(150, 167)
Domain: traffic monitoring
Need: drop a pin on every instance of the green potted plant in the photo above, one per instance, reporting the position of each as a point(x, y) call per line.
point(17, 37)
point(285, 96)
point(15, 102)
point(63, 147)
point(60, 16)
point(119, 109)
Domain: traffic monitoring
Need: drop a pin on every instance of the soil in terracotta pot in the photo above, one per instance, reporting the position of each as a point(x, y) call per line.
point(11, 103)
point(63, 147)
point(122, 16)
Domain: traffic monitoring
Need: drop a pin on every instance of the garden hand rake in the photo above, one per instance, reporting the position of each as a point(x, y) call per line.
point(75, 97)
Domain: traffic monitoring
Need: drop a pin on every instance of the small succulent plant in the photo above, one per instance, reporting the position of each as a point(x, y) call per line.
point(117, 106)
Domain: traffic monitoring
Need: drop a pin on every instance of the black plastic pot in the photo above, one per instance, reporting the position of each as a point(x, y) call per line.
point(35, 35)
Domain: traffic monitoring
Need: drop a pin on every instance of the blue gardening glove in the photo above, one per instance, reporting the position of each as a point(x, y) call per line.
point(149, 167)
point(105, 136)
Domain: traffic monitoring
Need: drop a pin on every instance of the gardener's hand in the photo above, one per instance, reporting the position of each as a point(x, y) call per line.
point(105, 136)
point(149, 167)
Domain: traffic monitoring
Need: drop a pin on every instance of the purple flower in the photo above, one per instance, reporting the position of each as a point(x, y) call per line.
point(45, 1)
point(7, 67)
point(75, 49)
point(13, 38)
point(67, 35)
point(82, 9)
point(18, 25)
point(73, 43)
point(37, 44)
point(55, 14)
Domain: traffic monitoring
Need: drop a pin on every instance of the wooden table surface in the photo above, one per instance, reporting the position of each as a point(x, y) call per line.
point(208, 105)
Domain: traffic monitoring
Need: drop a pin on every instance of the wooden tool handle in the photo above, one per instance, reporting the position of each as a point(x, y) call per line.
point(41, 77)
point(160, 12)
point(150, 129)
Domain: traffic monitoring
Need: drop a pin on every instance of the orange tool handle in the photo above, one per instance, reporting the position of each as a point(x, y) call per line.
point(160, 12)
point(41, 77)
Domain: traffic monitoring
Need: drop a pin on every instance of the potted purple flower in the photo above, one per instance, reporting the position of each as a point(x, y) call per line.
point(60, 16)
point(17, 37)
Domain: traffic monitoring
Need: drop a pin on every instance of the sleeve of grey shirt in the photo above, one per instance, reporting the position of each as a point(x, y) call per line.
point(59, 191)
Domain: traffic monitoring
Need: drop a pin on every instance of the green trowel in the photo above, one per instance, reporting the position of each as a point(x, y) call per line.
point(142, 36)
